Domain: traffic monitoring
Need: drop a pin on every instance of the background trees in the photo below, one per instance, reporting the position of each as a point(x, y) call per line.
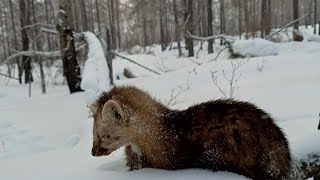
point(24, 23)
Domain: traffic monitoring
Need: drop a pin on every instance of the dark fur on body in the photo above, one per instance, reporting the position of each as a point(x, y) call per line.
point(224, 135)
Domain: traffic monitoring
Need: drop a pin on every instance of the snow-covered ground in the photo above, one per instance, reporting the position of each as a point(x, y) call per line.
point(49, 136)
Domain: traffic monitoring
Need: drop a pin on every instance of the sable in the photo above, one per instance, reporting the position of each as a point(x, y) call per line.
point(224, 135)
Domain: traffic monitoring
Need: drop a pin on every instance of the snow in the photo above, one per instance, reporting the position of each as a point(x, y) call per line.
point(50, 136)
point(95, 76)
point(255, 47)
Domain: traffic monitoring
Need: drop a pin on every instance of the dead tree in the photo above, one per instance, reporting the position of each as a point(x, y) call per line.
point(68, 53)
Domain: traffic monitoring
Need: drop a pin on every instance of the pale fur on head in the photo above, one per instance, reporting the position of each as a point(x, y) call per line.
point(109, 128)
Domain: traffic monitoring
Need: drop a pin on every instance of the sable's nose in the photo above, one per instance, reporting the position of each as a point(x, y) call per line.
point(93, 152)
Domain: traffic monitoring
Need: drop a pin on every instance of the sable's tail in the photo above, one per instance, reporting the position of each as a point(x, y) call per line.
point(307, 167)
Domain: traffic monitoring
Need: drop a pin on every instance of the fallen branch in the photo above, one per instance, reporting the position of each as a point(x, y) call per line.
point(220, 36)
point(287, 25)
point(5, 75)
point(132, 61)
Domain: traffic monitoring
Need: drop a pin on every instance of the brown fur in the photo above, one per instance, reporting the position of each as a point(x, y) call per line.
point(225, 135)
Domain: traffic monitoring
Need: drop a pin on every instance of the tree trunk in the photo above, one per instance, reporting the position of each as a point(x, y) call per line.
point(296, 13)
point(189, 41)
point(39, 47)
point(91, 16)
point(15, 41)
point(109, 56)
point(162, 38)
point(84, 15)
point(263, 18)
point(112, 25)
point(118, 23)
point(240, 16)
point(25, 20)
point(2, 26)
point(177, 29)
point(315, 17)
point(210, 31)
point(268, 24)
point(68, 53)
point(98, 16)
point(222, 20)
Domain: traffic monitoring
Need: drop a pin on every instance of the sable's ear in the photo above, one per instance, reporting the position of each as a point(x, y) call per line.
point(112, 110)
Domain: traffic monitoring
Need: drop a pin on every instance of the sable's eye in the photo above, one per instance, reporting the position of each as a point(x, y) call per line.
point(105, 137)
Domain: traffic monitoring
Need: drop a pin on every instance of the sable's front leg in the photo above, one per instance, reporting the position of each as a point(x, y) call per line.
point(135, 161)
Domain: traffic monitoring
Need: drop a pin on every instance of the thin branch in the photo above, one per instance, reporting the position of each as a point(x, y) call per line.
point(289, 24)
point(31, 53)
point(132, 61)
point(50, 31)
point(219, 53)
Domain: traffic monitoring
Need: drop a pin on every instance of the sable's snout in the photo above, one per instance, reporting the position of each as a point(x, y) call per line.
point(99, 152)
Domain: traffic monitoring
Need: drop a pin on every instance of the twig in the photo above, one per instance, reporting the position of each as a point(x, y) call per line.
point(214, 59)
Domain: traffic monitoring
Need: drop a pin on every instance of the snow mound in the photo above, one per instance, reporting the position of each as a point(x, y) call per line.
point(95, 73)
point(313, 38)
point(255, 48)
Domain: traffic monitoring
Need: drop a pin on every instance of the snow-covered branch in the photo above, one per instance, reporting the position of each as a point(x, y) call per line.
point(220, 36)
point(288, 25)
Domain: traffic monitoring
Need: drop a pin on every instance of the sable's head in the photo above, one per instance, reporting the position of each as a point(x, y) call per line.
point(108, 127)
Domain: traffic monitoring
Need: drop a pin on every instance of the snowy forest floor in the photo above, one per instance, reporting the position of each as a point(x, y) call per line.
point(49, 136)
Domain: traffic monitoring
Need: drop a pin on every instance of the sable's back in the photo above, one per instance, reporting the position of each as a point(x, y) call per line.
point(233, 130)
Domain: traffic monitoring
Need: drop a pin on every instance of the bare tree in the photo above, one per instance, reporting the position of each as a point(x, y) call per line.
point(70, 65)
point(25, 20)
